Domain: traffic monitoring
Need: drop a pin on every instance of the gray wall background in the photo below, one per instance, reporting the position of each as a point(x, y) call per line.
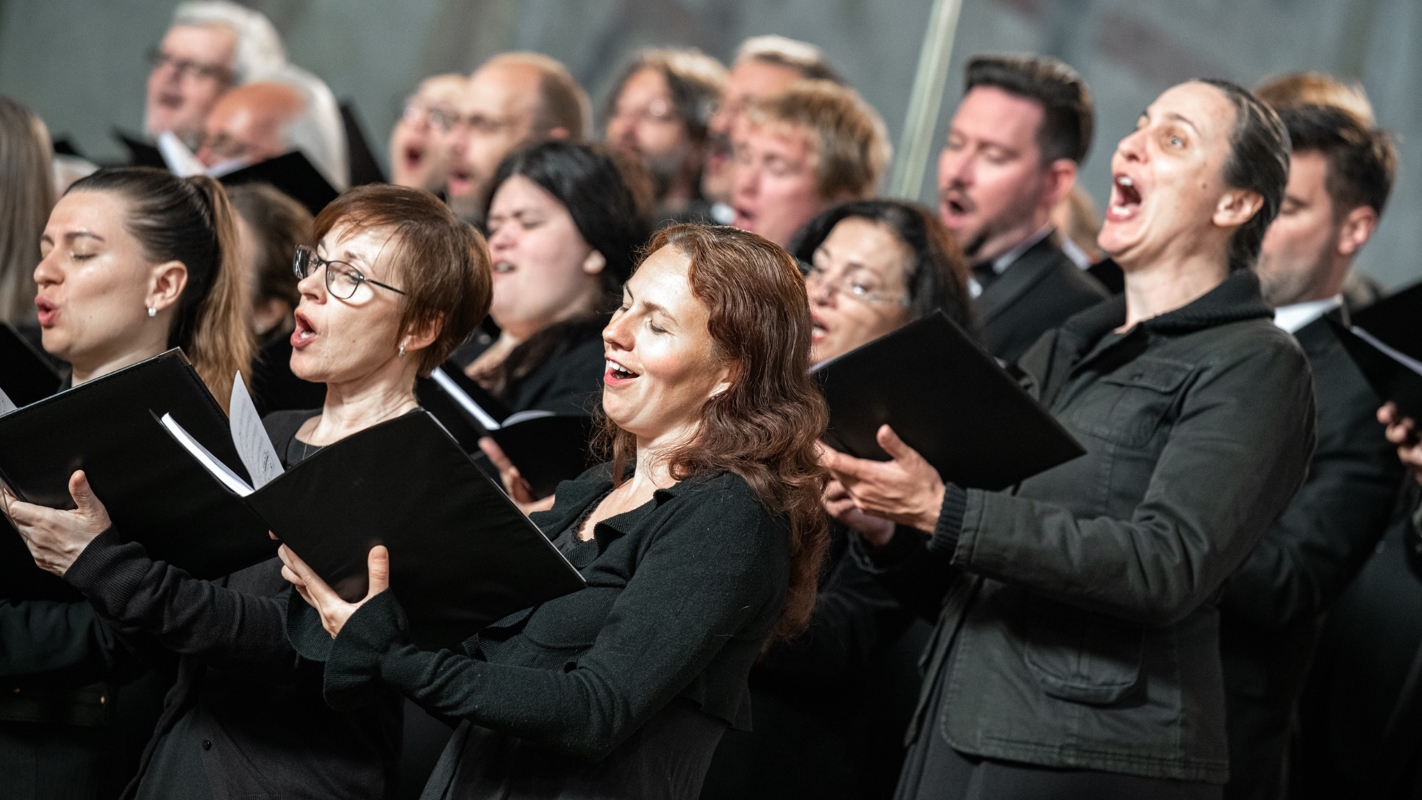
point(81, 63)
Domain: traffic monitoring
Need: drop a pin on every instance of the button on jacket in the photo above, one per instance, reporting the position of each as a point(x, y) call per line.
point(1077, 620)
point(682, 593)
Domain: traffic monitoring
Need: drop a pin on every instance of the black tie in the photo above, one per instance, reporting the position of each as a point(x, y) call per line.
point(984, 274)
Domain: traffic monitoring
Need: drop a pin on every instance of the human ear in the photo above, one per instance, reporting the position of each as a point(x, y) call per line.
point(1355, 230)
point(166, 282)
point(594, 263)
point(1237, 207)
point(423, 335)
point(1061, 176)
point(730, 373)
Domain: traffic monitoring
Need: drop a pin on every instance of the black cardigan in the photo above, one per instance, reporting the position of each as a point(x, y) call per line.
point(682, 593)
point(261, 726)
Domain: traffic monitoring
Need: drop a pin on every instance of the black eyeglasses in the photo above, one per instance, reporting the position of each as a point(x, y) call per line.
point(186, 67)
point(342, 279)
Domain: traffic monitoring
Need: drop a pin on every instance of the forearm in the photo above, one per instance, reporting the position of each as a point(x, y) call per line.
point(44, 636)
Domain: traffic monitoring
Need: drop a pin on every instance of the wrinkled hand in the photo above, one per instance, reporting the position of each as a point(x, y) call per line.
point(906, 490)
point(840, 505)
point(515, 486)
point(1402, 431)
point(55, 537)
point(333, 610)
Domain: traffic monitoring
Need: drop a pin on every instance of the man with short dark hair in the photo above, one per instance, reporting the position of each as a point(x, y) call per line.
point(1021, 131)
point(514, 99)
point(1340, 175)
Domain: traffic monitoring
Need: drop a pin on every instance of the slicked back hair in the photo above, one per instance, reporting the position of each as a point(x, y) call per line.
point(1068, 121)
point(1362, 161)
point(1258, 162)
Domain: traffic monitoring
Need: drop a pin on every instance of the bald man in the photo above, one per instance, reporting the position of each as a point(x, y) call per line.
point(249, 124)
point(512, 100)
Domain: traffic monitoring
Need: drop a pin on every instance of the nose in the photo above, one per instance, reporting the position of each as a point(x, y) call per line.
point(1132, 148)
point(618, 335)
point(502, 240)
point(313, 286)
point(955, 167)
point(47, 272)
point(745, 181)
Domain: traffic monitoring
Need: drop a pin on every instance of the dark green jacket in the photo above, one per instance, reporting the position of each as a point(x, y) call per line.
point(1077, 625)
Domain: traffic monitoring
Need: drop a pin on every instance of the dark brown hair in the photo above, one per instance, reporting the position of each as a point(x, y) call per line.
point(1258, 162)
point(190, 220)
point(1362, 161)
point(441, 261)
point(1066, 102)
point(764, 427)
point(278, 224)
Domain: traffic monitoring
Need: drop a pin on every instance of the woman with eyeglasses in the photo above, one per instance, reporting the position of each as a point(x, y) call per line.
point(132, 262)
point(420, 142)
point(824, 726)
point(393, 283)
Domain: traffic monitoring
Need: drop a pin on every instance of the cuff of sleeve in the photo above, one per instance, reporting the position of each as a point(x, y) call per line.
point(950, 520)
point(303, 629)
point(354, 656)
point(109, 570)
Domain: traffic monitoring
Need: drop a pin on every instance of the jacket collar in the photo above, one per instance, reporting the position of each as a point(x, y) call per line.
point(575, 496)
point(1025, 272)
point(1235, 299)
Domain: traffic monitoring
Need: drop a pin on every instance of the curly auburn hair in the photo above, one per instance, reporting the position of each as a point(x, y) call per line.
point(764, 427)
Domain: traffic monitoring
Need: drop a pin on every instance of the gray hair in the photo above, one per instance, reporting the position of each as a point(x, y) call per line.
point(26, 198)
point(260, 52)
point(809, 60)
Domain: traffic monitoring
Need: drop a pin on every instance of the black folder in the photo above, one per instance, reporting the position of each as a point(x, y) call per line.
point(1394, 320)
point(293, 174)
point(140, 153)
point(143, 477)
point(946, 399)
point(1393, 373)
point(365, 167)
point(461, 553)
point(26, 376)
point(547, 448)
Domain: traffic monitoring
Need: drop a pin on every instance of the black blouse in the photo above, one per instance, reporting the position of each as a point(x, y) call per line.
point(619, 690)
point(569, 381)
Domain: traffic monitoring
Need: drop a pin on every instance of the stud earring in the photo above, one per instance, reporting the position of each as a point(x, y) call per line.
point(152, 312)
point(402, 351)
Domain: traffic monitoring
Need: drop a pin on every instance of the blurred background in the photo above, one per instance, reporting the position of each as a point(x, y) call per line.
point(82, 64)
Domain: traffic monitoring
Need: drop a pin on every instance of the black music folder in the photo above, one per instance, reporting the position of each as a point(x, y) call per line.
point(140, 152)
point(293, 174)
point(1384, 341)
point(144, 479)
point(461, 553)
point(547, 448)
point(26, 376)
point(945, 398)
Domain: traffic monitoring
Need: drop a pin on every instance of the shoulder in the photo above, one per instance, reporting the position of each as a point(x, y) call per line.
point(282, 425)
point(724, 505)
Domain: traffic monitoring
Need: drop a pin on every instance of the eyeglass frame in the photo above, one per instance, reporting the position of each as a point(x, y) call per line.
point(815, 276)
point(309, 254)
point(157, 59)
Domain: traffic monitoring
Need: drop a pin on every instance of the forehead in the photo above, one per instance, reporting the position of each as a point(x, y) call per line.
point(1308, 173)
point(647, 81)
point(371, 248)
point(990, 112)
point(100, 212)
point(752, 77)
point(518, 193)
point(867, 242)
point(665, 280)
point(772, 137)
point(502, 89)
point(1207, 108)
point(210, 42)
point(441, 89)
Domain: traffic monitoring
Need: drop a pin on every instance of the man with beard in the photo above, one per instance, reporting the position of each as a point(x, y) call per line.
point(1271, 611)
point(658, 115)
point(1021, 131)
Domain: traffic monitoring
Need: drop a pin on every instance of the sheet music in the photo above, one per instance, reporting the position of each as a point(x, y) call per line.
point(1397, 355)
point(464, 400)
point(179, 158)
point(6, 404)
point(254, 447)
point(218, 469)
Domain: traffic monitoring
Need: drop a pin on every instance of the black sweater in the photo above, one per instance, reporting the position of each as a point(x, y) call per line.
point(249, 704)
point(682, 593)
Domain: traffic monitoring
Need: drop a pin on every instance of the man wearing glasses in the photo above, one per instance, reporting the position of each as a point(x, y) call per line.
point(211, 46)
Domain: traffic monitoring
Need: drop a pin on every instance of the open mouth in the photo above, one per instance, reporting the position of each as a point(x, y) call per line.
point(414, 154)
point(617, 373)
point(169, 99)
point(1125, 199)
point(956, 205)
point(744, 218)
point(47, 311)
point(304, 332)
point(818, 329)
point(461, 180)
point(503, 268)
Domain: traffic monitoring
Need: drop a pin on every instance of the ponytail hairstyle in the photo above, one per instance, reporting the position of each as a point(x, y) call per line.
point(191, 221)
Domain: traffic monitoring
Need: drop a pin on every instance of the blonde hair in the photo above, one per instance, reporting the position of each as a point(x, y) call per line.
point(1315, 88)
point(26, 198)
point(850, 143)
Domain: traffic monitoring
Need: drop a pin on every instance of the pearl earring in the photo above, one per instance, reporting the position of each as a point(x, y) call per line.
point(152, 312)
point(402, 351)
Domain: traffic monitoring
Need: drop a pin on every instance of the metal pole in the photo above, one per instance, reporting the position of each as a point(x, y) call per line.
point(925, 100)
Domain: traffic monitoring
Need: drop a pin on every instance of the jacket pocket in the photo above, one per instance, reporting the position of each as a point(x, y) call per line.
point(1082, 657)
point(1134, 400)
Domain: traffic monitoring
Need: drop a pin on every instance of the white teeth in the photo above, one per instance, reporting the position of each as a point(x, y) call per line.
point(1125, 180)
point(503, 266)
point(619, 370)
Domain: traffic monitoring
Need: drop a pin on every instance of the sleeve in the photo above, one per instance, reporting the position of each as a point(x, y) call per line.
point(1237, 453)
point(711, 572)
point(45, 636)
point(854, 617)
point(1310, 555)
point(226, 629)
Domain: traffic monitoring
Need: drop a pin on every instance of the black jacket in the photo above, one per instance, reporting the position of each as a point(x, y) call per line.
point(262, 728)
point(1077, 625)
point(1272, 607)
point(682, 594)
point(1032, 296)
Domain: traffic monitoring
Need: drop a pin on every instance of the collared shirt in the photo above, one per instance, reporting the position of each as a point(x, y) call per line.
point(1002, 262)
point(1292, 318)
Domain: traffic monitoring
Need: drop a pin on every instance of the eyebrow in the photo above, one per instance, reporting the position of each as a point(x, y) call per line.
point(69, 237)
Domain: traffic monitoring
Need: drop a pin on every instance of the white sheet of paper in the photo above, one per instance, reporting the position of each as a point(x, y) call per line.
point(179, 158)
point(218, 469)
point(1397, 355)
point(254, 447)
point(6, 404)
point(464, 400)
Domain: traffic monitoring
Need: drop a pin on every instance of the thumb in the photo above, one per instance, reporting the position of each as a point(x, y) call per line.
point(83, 494)
point(378, 564)
point(895, 446)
